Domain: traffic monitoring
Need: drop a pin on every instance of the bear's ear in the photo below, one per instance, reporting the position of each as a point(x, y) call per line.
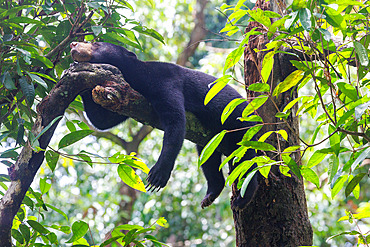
point(130, 54)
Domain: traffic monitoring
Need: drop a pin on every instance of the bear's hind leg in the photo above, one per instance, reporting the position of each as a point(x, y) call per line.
point(215, 178)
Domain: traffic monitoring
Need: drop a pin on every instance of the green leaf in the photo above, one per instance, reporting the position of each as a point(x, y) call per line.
point(348, 90)
point(233, 58)
point(316, 158)
point(239, 153)
point(305, 18)
point(150, 32)
point(353, 183)
point(326, 34)
point(292, 165)
point(111, 240)
point(217, 86)
point(257, 145)
point(252, 132)
point(124, 40)
point(85, 158)
point(259, 16)
point(47, 127)
point(230, 108)
point(311, 176)
point(37, 226)
point(38, 79)
point(128, 176)
point(210, 147)
point(334, 139)
point(338, 185)
point(299, 4)
point(162, 222)
point(13, 11)
point(79, 229)
point(27, 89)
point(137, 163)
point(45, 185)
point(17, 236)
point(333, 170)
point(267, 65)
point(57, 210)
point(360, 158)
point(265, 170)
point(97, 29)
point(254, 105)
point(259, 87)
point(20, 131)
point(7, 81)
point(246, 182)
point(252, 118)
point(73, 137)
point(44, 60)
point(293, 79)
point(26, 233)
point(239, 171)
point(293, 17)
point(334, 18)
point(361, 53)
point(344, 117)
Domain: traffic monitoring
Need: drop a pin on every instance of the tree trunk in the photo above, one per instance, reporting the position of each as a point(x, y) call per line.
point(278, 214)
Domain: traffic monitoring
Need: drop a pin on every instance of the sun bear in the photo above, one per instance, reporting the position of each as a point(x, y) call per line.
point(172, 90)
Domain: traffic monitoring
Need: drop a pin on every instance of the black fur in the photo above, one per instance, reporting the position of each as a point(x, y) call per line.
point(172, 90)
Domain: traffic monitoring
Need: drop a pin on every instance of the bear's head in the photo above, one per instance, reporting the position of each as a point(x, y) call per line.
point(100, 52)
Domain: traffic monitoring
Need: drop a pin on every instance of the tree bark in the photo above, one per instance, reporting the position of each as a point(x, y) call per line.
point(198, 33)
point(114, 93)
point(278, 214)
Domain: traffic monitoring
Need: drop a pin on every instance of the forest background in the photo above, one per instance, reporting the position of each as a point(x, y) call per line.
point(161, 30)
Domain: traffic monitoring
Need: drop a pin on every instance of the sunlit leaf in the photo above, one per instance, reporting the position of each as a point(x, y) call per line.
point(210, 147)
point(348, 90)
point(230, 108)
point(338, 185)
point(259, 87)
point(258, 145)
point(216, 87)
point(45, 185)
point(79, 229)
point(129, 177)
point(310, 175)
point(254, 105)
point(293, 79)
point(267, 66)
point(233, 57)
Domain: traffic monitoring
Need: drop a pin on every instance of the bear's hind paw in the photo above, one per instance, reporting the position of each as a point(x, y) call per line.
point(208, 200)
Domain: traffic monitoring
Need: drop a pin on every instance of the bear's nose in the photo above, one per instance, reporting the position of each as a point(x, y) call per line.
point(73, 44)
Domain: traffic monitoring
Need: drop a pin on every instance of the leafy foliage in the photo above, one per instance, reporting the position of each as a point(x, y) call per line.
point(34, 51)
point(339, 77)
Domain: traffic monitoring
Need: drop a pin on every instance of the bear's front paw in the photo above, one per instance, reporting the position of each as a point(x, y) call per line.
point(157, 178)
